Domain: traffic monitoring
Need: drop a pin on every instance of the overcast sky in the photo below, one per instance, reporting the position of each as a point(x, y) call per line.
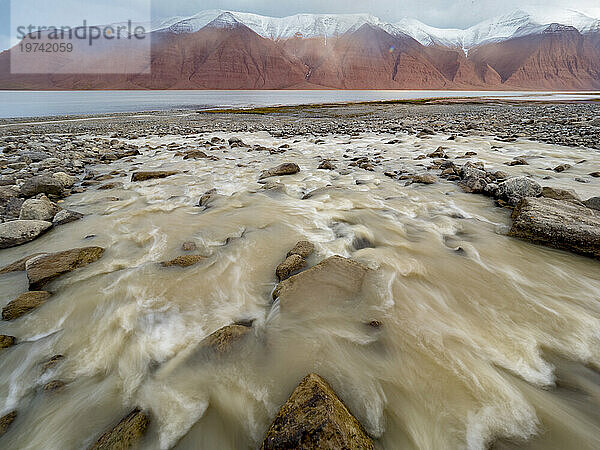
point(439, 13)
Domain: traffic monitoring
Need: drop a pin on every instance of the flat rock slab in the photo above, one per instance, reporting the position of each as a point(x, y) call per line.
point(19, 232)
point(45, 268)
point(126, 434)
point(24, 303)
point(18, 266)
point(283, 169)
point(143, 176)
point(559, 224)
point(335, 277)
point(315, 418)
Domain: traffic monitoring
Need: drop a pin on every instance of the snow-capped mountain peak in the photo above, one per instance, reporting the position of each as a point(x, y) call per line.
point(517, 23)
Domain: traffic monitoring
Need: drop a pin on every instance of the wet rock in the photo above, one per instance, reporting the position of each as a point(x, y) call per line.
point(236, 142)
point(558, 224)
point(515, 189)
point(42, 184)
point(7, 193)
point(19, 232)
point(144, 176)
point(336, 273)
point(52, 362)
point(208, 197)
point(45, 268)
point(326, 165)
point(292, 263)
point(473, 185)
point(189, 246)
point(112, 185)
point(593, 203)
point(283, 169)
point(562, 168)
point(6, 421)
point(424, 178)
point(517, 162)
point(224, 339)
point(559, 194)
point(65, 216)
point(315, 418)
point(302, 248)
point(362, 242)
point(439, 153)
point(7, 341)
point(38, 209)
point(595, 174)
point(54, 386)
point(19, 265)
point(183, 261)
point(126, 434)
point(24, 303)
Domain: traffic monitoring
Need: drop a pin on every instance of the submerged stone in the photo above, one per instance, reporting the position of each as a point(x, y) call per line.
point(6, 421)
point(183, 261)
point(315, 418)
point(143, 176)
point(282, 169)
point(7, 341)
point(24, 303)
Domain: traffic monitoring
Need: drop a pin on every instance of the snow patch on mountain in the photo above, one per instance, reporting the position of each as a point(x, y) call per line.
point(521, 22)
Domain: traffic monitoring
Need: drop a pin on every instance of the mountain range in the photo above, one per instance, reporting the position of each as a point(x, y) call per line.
point(216, 49)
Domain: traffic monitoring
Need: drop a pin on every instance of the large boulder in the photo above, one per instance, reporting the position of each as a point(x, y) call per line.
point(282, 169)
point(42, 184)
point(593, 203)
point(126, 434)
point(45, 268)
point(67, 181)
point(24, 303)
point(143, 176)
point(514, 190)
point(558, 224)
point(38, 209)
point(315, 418)
point(560, 194)
point(19, 232)
point(335, 277)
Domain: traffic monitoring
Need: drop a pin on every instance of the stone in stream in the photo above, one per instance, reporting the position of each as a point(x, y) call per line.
point(19, 265)
point(24, 303)
point(189, 246)
point(42, 184)
point(6, 421)
point(143, 176)
point(424, 178)
point(45, 268)
point(282, 169)
point(7, 341)
point(515, 189)
point(38, 209)
point(332, 277)
point(224, 339)
point(65, 216)
point(559, 224)
point(562, 168)
point(49, 364)
point(126, 434)
point(19, 232)
point(302, 248)
point(54, 386)
point(292, 263)
point(326, 165)
point(315, 418)
point(183, 261)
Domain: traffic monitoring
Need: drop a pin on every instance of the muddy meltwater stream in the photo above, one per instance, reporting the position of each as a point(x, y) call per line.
point(484, 339)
